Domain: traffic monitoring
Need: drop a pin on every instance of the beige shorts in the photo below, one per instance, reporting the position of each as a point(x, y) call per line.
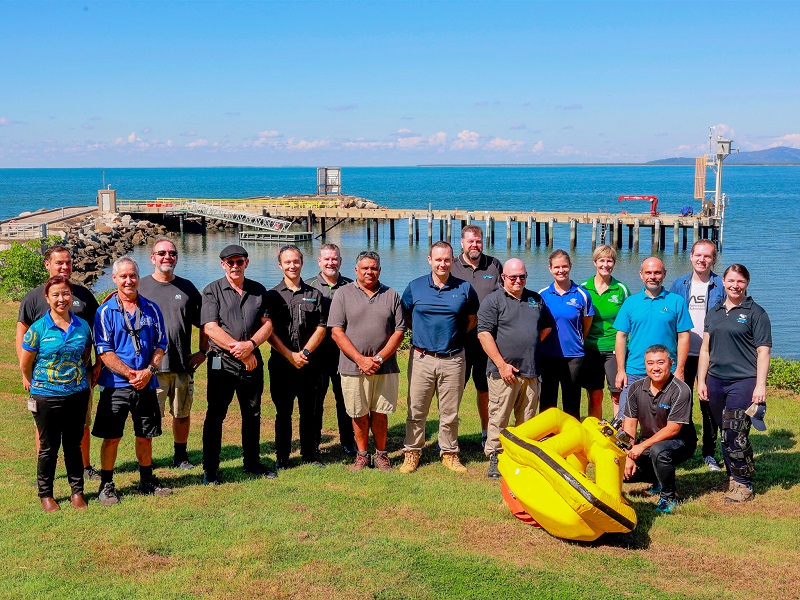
point(178, 389)
point(364, 394)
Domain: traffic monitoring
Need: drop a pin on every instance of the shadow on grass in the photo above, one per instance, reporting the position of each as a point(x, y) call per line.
point(469, 445)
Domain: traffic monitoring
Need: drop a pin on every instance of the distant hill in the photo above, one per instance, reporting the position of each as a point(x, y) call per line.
point(782, 155)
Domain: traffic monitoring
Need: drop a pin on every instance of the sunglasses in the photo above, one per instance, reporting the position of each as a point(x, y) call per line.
point(235, 263)
point(172, 253)
point(514, 277)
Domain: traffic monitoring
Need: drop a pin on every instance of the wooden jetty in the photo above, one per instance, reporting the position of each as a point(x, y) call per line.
point(532, 227)
point(36, 224)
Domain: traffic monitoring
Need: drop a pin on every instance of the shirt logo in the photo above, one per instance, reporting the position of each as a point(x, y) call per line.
point(573, 302)
point(50, 339)
point(178, 297)
point(742, 318)
point(488, 276)
point(532, 302)
point(614, 299)
point(309, 299)
point(76, 302)
point(664, 406)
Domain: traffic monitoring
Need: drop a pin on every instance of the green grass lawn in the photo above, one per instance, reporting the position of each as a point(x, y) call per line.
point(327, 533)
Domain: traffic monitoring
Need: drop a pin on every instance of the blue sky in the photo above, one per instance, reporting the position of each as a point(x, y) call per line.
point(149, 83)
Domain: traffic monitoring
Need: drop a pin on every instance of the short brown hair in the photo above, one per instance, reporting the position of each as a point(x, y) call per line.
point(474, 229)
point(710, 243)
point(740, 269)
point(556, 254)
point(441, 244)
point(58, 248)
point(56, 280)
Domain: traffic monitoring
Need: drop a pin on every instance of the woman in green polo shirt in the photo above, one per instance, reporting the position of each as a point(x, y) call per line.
point(599, 362)
point(55, 352)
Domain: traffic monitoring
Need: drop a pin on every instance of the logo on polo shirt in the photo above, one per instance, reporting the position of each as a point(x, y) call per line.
point(488, 276)
point(309, 299)
point(532, 302)
point(76, 302)
point(614, 299)
point(573, 302)
point(742, 318)
point(178, 297)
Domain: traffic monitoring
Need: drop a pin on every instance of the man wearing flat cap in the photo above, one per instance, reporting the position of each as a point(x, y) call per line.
point(234, 317)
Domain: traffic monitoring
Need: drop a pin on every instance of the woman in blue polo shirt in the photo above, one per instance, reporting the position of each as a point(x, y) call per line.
point(732, 375)
point(55, 352)
point(560, 356)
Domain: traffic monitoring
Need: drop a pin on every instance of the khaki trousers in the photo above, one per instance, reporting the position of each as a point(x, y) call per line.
point(521, 397)
point(444, 377)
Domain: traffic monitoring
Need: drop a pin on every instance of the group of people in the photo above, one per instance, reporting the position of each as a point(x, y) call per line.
point(469, 316)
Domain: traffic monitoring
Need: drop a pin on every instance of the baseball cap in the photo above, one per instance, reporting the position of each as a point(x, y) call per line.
point(756, 413)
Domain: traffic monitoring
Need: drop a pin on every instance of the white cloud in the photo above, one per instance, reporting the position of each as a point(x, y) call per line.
point(505, 145)
point(538, 147)
point(132, 138)
point(438, 139)
point(791, 139)
point(725, 131)
point(198, 143)
point(466, 140)
point(146, 130)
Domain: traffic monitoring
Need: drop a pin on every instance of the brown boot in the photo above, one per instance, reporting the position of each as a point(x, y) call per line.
point(410, 461)
point(78, 501)
point(723, 487)
point(50, 505)
point(451, 461)
point(739, 492)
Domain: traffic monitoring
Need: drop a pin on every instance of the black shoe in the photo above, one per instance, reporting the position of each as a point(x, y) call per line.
point(282, 464)
point(349, 450)
point(90, 474)
point(153, 487)
point(259, 470)
point(108, 495)
point(494, 472)
point(182, 465)
point(210, 478)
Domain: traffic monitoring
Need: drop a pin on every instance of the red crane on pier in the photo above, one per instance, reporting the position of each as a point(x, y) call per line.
point(653, 200)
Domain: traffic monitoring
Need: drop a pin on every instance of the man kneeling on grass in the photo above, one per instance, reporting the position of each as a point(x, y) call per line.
point(368, 325)
point(662, 405)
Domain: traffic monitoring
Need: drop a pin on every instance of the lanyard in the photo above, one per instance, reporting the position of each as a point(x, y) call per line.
point(132, 331)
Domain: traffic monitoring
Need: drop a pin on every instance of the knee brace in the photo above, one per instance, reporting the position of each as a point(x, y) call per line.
point(735, 436)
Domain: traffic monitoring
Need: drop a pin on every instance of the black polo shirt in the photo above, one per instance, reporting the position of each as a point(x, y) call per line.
point(734, 336)
point(328, 348)
point(34, 305)
point(515, 324)
point(485, 278)
point(295, 314)
point(673, 404)
point(238, 315)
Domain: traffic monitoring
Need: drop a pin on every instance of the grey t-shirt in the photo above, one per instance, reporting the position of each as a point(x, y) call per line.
point(179, 301)
point(368, 323)
point(515, 325)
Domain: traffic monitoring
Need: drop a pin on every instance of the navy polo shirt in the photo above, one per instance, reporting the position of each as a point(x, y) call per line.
point(110, 335)
point(734, 336)
point(438, 316)
point(568, 310)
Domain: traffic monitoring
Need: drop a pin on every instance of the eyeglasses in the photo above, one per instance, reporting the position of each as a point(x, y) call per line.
point(172, 253)
point(235, 263)
point(522, 277)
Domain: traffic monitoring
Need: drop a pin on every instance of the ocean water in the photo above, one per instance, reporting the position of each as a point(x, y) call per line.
point(761, 225)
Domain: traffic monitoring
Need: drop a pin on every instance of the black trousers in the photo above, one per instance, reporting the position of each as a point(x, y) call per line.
point(60, 421)
point(248, 387)
point(346, 436)
point(710, 426)
point(285, 384)
point(566, 372)
point(658, 463)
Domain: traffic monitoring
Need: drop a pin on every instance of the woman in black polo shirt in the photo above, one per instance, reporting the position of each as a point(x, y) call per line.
point(732, 375)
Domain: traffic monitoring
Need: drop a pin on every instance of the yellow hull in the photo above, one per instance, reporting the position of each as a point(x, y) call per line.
point(548, 476)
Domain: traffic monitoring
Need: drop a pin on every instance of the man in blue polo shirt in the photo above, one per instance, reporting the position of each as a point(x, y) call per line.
point(131, 340)
point(440, 309)
point(653, 316)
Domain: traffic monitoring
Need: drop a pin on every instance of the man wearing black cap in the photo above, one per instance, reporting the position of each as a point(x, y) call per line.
point(235, 319)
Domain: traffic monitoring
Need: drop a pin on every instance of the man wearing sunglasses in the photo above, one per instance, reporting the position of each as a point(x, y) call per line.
point(234, 317)
point(511, 323)
point(179, 301)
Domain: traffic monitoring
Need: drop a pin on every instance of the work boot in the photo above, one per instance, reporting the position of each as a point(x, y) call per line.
point(380, 460)
point(361, 462)
point(739, 492)
point(494, 472)
point(450, 460)
point(410, 461)
point(50, 505)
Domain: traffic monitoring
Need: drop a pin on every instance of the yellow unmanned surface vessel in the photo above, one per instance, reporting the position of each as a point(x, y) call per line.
point(543, 463)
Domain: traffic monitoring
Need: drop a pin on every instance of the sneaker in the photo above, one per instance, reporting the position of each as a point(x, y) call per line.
point(153, 487)
point(380, 460)
point(107, 495)
point(665, 506)
point(450, 460)
point(712, 464)
point(655, 489)
point(259, 470)
point(739, 492)
point(494, 472)
point(361, 463)
point(90, 474)
point(211, 478)
point(182, 465)
point(410, 461)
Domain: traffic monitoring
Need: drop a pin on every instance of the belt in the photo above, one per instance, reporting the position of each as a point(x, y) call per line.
point(424, 352)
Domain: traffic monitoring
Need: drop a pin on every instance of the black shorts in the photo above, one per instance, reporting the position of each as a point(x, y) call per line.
point(596, 367)
point(113, 409)
point(475, 359)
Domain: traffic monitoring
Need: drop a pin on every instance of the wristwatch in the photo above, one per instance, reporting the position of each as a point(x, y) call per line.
point(379, 358)
point(305, 352)
point(152, 369)
point(252, 341)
